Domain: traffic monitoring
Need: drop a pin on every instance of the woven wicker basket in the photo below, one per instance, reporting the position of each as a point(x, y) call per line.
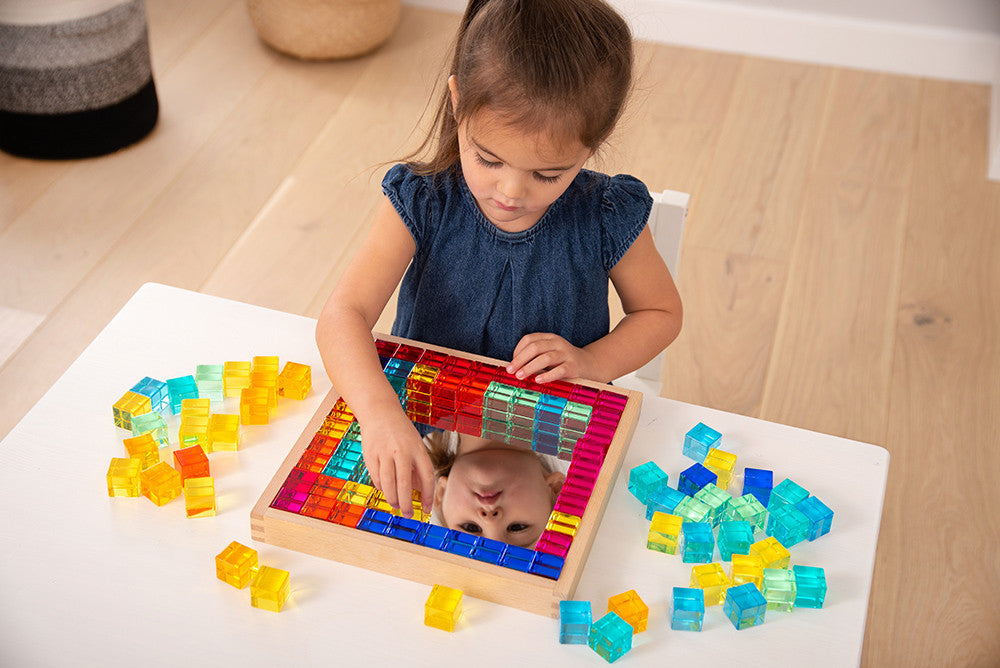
point(324, 29)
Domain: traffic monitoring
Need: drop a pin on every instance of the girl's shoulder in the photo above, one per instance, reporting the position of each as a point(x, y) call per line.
point(619, 206)
point(420, 198)
point(621, 192)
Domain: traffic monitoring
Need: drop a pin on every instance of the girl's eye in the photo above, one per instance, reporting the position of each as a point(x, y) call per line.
point(470, 527)
point(516, 527)
point(486, 163)
point(546, 179)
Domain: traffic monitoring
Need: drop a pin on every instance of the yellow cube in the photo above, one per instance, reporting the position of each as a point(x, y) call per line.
point(199, 497)
point(747, 568)
point(772, 553)
point(160, 483)
point(722, 464)
point(295, 380)
point(123, 477)
point(223, 433)
point(236, 564)
point(144, 448)
point(631, 608)
point(563, 523)
point(713, 580)
point(255, 407)
point(269, 588)
point(443, 608)
point(664, 530)
point(235, 377)
point(129, 406)
point(264, 373)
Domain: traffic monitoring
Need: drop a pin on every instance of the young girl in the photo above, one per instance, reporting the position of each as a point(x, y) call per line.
point(506, 242)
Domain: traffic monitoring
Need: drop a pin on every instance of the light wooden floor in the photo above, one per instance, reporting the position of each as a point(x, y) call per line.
point(840, 270)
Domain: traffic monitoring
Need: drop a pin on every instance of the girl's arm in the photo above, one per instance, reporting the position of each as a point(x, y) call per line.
point(652, 321)
point(394, 453)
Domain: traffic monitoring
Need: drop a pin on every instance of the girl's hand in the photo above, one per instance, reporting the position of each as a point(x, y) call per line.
point(551, 357)
point(398, 463)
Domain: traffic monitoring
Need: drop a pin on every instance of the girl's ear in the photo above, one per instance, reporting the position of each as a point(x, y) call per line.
point(453, 88)
point(555, 482)
point(439, 487)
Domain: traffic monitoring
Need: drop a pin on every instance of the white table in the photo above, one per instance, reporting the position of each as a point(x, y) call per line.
point(91, 580)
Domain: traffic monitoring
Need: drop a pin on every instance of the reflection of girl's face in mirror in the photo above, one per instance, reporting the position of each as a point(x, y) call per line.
point(497, 491)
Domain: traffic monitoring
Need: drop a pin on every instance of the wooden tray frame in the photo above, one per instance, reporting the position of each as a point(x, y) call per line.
point(506, 586)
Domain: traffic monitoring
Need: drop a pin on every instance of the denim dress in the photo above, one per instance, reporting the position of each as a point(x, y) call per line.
point(478, 289)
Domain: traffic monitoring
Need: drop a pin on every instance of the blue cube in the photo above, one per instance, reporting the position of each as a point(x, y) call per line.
point(758, 482)
point(810, 586)
point(664, 500)
point(156, 390)
point(574, 622)
point(745, 606)
point(696, 543)
point(694, 478)
point(687, 612)
point(735, 537)
point(787, 492)
point(820, 516)
point(180, 389)
point(518, 558)
point(788, 525)
point(699, 441)
point(645, 479)
point(611, 637)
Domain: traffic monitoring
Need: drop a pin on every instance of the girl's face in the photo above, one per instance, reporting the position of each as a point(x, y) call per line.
point(498, 492)
point(514, 176)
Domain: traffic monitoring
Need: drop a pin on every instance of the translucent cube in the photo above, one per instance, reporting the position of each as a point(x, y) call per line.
point(610, 637)
point(199, 497)
point(820, 516)
point(747, 568)
point(123, 477)
point(758, 482)
point(443, 608)
point(209, 379)
point(295, 380)
point(716, 499)
point(269, 588)
point(788, 524)
point(235, 377)
point(192, 462)
point(735, 537)
point(786, 492)
point(697, 542)
point(631, 608)
point(779, 589)
point(223, 432)
point(694, 478)
point(645, 479)
point(712, 580)
point(687, 610)
point(699, 441)
point(745, 606)
point(144, 448)
point(160, 483)
point(722, 464)
point(664, 532)
point(664, 500)
point(810, 586)
point(771, 552)
point(747, 508)
point(181, 388)
point(694, 510)
point(574, 622)
point(151, 423)
point(236, 564)
point(128, 407)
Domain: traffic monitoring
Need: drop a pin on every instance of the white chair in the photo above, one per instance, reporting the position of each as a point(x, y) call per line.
point(666, 222)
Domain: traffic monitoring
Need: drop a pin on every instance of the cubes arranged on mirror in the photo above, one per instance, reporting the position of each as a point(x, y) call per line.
point(664, 532)
point(810, 586)
point(443, 608)
point(181, 388)
point(687, 609)
point(644, 480)
point(745, 606)
point(236, 564)
point(295, 380)
point(697, 542)
point(779, 589)
point(711, 579)
point(128, 407)
point(722, 464)
point(123, 477)
point(269, 588)
point(235, 377)
point(819, 515)
point(758, 482)
point(574, 622)
point(694, 478)
point(631, 608)
point(699, 441)
point(610, 637)
point(786, 493)
point(771, 552)
point(160, 483)
point(735, 537)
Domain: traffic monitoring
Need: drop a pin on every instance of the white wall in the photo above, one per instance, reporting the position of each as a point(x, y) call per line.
point(956, 40)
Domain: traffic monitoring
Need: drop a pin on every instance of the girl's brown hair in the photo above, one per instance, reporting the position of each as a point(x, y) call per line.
point(558, 66)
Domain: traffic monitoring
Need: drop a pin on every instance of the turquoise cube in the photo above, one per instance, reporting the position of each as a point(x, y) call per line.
point(611, 637)
point(788, 524)
point(665, 499)
point(181, 388)
point(699, 441)
point(696, 543)
point(786, 492)
point(734, 538)
point(745, 606)
point(810, 586)
point(156, 390)
point(820, 516)
point(574, 622)
point(687, 611)
point(645, 479)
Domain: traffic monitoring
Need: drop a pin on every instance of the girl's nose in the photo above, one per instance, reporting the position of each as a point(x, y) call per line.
point(488, 512)
point(510, 186)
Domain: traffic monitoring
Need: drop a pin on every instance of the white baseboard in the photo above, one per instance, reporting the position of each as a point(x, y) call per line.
point(894, 47)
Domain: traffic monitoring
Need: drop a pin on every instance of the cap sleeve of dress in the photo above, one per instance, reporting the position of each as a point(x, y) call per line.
point(625, 208)
point(408, 193)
